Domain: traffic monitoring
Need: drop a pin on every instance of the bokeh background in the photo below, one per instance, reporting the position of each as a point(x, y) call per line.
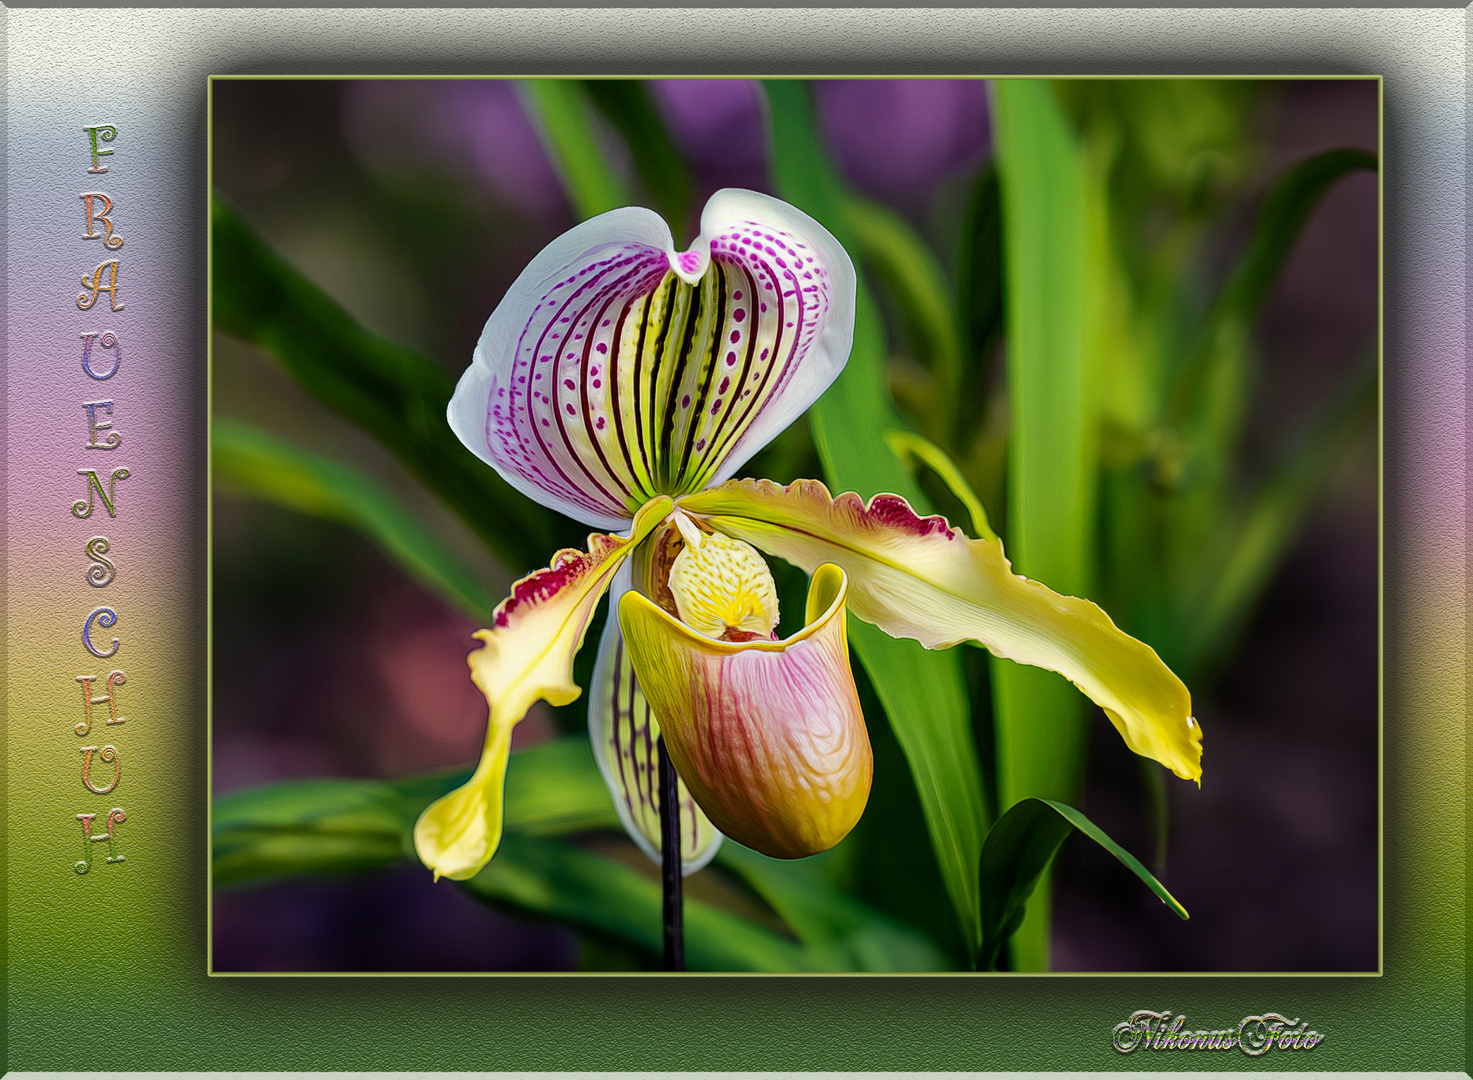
point(415, 203)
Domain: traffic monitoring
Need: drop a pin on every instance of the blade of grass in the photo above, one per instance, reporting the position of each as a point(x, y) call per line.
point(560, 111)
point(1285, 209)
point(392, 392)
point(924, 694)
point(1211, 392)
point(1039, 718)
point(255, 464)
point(979, 301)
point(1018, 851)
point(909, 271)
point(1262, 535)
point(626, 104)
point(979, 275)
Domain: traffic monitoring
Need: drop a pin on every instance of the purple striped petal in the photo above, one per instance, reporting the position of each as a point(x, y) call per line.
point(616, 369)
point(623, 730)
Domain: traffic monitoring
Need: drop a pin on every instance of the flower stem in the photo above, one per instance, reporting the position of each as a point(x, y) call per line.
point(671, 878)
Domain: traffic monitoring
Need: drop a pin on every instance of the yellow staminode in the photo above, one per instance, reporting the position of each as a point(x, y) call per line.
point(722, 587)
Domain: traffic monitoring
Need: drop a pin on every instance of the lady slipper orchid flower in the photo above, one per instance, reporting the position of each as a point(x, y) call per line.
point(623, 383)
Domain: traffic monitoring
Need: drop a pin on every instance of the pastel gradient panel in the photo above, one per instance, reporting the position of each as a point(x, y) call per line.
point(107, 970)
point(107, 921)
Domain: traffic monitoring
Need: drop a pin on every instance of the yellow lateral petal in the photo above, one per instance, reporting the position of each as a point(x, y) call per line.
point(526, 656)
point(919, 578)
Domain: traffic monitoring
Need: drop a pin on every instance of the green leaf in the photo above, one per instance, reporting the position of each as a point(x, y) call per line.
point(1256, 540)
point(840, 932)
point(1018, 850)
point(393, 393)
point(626, 104)
point(253, 463)
point(1039, 718)
point(330, 826)
point(979, 276)
point(909, 271)
point(553, 790)
point(924, 693)
point(1285, 209)
point(1210, 399)
point(559, 110)
point(558, 881)
point(304, 827)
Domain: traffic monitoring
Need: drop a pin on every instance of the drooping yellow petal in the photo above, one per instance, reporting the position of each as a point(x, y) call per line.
point(526, 656)
point(767, 735)
point(919, 578)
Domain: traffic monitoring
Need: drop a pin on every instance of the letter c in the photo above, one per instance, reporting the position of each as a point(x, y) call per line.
point(104, 617)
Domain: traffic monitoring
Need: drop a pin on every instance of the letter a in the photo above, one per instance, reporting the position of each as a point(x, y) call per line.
point(95, 284)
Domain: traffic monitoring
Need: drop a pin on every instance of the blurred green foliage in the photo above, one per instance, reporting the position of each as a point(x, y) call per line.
point(1070, 366)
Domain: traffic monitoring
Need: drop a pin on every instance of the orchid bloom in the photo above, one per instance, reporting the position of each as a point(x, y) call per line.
point(622, 383)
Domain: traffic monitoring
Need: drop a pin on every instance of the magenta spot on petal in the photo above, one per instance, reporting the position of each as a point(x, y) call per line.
point(725, 385)
point(738, 314)
point(570, 384)
point(764, 308)
point(730, 359)
point(545, 584)
point(894, 512)
point(762, 357)
point(736, 295)
point(700, 445)
point(601, 347)
point(716, 406)
point(597, 383)
point(571, 410)
point(599, 423)
point(544, 424)
point(736, 335)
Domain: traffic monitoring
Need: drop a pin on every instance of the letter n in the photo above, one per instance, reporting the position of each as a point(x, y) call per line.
point(83, 507)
